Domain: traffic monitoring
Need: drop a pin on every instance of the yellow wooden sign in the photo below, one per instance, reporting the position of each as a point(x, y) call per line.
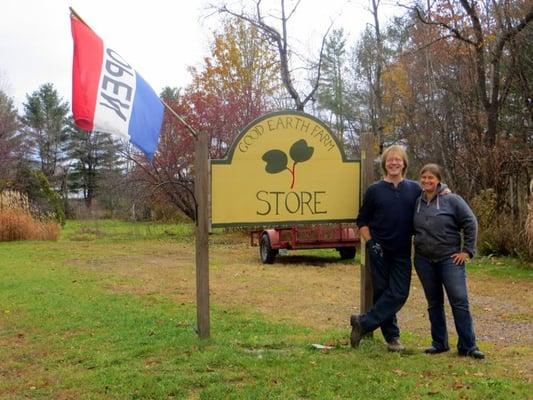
point(284, 168)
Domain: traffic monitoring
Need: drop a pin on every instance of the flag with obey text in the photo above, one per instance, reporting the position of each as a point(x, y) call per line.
point(109, 96)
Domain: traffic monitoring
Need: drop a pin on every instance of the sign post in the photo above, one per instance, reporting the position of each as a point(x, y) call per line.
point(368, 154)
point(202, 235)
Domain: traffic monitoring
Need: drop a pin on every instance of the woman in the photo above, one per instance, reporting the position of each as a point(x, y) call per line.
point(440, 255)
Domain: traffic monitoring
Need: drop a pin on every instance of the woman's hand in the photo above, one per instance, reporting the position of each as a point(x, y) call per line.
point(460, 258)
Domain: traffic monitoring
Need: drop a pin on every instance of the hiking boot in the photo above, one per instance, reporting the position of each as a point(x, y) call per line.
point(477, 354)
point(433, 350)
point(395, 345)
point(357, 331)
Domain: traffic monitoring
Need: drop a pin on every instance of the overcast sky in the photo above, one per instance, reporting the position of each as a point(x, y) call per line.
point(159, 38)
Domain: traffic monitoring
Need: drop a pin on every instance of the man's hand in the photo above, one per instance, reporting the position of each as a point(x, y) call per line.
point(460, 258)
point(364, 232)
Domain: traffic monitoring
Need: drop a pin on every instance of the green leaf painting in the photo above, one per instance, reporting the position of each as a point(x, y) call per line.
point(300, 151)
point(276, 160)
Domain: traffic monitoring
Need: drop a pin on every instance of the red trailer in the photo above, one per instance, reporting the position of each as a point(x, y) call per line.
point(343, 237)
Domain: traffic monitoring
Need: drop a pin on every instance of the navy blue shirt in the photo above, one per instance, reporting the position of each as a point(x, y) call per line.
point(388, 212)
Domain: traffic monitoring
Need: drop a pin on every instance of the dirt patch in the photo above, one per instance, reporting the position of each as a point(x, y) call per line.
point(319, 293)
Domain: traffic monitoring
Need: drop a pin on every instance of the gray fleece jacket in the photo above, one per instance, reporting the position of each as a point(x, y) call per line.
point(438, 226)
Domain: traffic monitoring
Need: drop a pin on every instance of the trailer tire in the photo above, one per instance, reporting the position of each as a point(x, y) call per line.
point(347, 253)
point(267, 253)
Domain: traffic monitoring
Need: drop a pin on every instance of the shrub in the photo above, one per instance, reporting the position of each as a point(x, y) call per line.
point(501, 233)
point(45, 202)
point(502, 237)
point(52, 197)
point(162, 212)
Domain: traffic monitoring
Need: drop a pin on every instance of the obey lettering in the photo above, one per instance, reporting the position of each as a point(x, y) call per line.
point(116, 92)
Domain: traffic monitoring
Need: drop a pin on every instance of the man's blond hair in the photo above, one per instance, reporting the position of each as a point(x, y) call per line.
point(398, 150)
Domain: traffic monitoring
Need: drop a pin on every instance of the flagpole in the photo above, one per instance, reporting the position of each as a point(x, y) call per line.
point(181, 119)
point(77, 16)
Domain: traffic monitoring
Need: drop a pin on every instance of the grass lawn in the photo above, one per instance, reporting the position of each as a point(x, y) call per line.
point(108, 312)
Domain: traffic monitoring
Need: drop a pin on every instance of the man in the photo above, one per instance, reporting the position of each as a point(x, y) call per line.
point(385, 222)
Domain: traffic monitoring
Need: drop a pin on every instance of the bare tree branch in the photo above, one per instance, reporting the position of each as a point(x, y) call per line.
point(455, 32)
point(280, 40)
point(293, 9)
point(492, 90)
point(320, 63)
point(429, 44)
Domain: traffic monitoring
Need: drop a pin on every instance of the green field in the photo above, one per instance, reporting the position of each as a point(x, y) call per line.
point(95, 316)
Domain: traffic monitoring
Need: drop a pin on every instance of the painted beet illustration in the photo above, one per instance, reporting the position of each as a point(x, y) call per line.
point(277, 161)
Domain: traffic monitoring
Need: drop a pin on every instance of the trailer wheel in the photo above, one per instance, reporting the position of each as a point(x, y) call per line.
point(267, 253)
point(347, 253)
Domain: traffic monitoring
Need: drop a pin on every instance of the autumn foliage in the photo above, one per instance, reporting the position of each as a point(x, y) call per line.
point(229, 90)
point(233, 86)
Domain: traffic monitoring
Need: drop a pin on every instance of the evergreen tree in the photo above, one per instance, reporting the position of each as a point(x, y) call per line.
point(92, 156)
point(11, 144)
point(332, 90)
point(45, 120)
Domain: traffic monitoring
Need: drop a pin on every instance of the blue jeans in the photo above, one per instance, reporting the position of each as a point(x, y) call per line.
point(434, 276)
point(391, 278)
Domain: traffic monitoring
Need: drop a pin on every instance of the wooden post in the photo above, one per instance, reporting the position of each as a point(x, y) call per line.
point(202, 235)
point(368, 154)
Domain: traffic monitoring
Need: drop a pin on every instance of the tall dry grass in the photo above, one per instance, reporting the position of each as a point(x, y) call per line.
point(17, 222)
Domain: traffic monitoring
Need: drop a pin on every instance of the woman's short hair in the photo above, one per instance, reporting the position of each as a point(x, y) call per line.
point(398, 150)
point(434, 169)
